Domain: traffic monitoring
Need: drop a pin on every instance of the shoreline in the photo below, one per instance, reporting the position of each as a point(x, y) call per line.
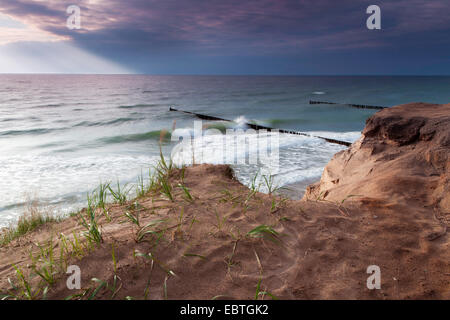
point(198, 233)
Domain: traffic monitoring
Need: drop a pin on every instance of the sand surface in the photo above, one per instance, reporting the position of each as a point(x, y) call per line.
point(384, 201)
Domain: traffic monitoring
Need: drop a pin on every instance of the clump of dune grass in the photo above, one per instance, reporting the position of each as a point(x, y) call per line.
point(142, 231)
point(90, 222)
point(276, 205)
point(269, 182)
point(32, 218)
point(166, 187)
point(163, 172)
point(114, 287)
point(100, 196)
point(23, 289)
point(120, 194)
point(141, 189)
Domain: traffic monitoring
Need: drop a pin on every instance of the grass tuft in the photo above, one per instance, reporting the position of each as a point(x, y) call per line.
point(31, 220)
point(265, 232)
point(269, 182)
point(187, 194)
point(90, 222)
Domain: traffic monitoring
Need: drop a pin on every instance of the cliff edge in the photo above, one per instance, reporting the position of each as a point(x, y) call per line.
point(403, 157)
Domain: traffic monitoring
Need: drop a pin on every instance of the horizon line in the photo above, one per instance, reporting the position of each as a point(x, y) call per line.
point(224, 74)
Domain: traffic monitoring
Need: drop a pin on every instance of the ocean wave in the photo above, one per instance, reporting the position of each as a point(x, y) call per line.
point(299, 158)
point(104, 123)
point(279, 123)
point(62, 180)
point(241, 121)
point(151, 91)
point(138, 137)
point(25, 132)
point(12, 119)
point(51, 105)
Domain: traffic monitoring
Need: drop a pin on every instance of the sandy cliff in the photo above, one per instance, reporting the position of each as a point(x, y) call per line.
point(403, 156)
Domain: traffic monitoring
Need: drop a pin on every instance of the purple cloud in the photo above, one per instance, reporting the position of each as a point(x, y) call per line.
point(236, 27)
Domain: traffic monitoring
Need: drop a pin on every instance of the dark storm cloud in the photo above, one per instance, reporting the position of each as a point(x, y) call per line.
point(200, 31)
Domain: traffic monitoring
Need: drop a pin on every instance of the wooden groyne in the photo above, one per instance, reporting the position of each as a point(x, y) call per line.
point(359, 106)
point(259, 127)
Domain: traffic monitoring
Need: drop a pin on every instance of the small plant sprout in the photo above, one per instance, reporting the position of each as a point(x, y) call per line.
point(237, 235)
point(142, 232)
point(133, 218)
point(101, 195)
point(44, 264)
point(246, 203)
point(229, 260)
point(152, 257)
point(101, 285)
point(269, 183)
point(220, 221)
point(262, 293)
point(152, 181)
point(24, 289)
point(228, 196)
point(90, 223)
point(165, 186)
point(277, 205)
point(193, 220)
point(141, 190)
point(187, 194)
point(120, 194)
point(114, 288)
point(162, 165)
point(264, 232)
point(259, 263)
point(254, 186)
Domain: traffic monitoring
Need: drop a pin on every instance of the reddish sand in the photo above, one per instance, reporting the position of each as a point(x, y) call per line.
point(384, 201)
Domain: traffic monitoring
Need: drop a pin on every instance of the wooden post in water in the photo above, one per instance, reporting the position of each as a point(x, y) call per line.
point(259, 127)
point(359, 106)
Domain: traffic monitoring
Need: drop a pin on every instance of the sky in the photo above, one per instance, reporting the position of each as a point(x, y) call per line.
point(286, 37)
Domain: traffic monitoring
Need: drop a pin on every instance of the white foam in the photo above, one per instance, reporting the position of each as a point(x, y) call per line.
point(300, 158)
point(63, 180)
point(241, 121)
point(59, 179)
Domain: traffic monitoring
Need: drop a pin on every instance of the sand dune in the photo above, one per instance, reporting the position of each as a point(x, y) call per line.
point(384, 201)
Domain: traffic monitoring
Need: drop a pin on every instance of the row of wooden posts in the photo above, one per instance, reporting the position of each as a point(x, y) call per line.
point(260, 127)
